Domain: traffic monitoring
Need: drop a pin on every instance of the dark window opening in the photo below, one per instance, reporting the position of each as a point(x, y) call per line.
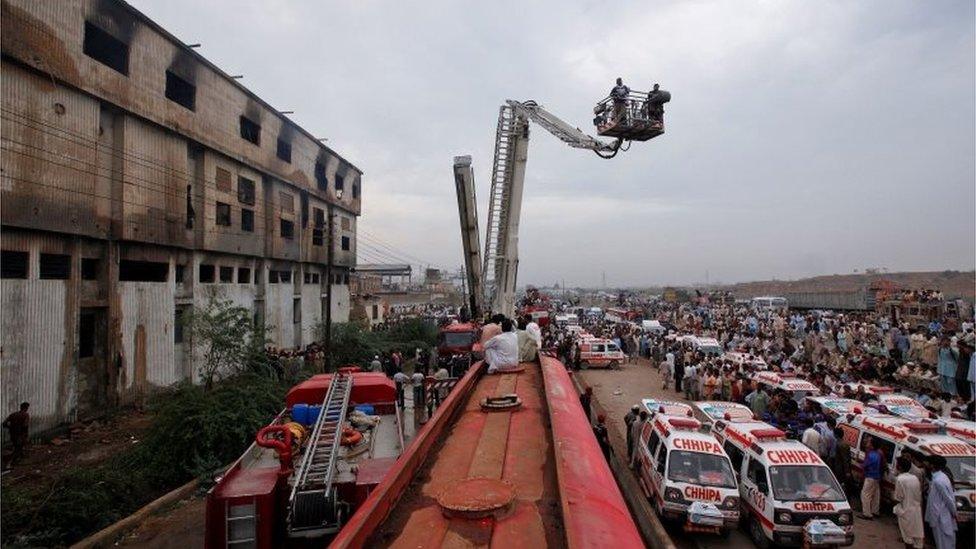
point(245, 191)
point(296, 310)
point(316, 278)
point(376, 312)
point(223, 214)
point(180, 273)
point(284, 150)
point(317, 237)
point(355, 190)
point(308, 278)
point(178, 320)
point(250, 130)
point(55, 267)
point(340, 182)
point(106, 49)
point(207, 273)
point(304, 202)
point(345, 279)
point(180, 91)
point(321, 180)
point(226, 274)
point(247, 220)
point(284, 276)
point(143, 271)
point(345, 243)
point(190, 214)
point(243, 275)
point(287, 229)
point(86, 334)
point(272, 277)
point(89, 268)
point(14, 264)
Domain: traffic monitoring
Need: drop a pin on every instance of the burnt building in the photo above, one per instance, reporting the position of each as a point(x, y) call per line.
point(139, 180)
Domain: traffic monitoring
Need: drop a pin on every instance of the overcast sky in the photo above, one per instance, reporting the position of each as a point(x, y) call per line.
point(803, 138)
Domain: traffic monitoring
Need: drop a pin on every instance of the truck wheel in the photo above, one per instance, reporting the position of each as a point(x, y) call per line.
point(757, 534)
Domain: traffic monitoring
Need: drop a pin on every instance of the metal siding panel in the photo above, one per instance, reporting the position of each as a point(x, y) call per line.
point(150, 304)
point(33, 338)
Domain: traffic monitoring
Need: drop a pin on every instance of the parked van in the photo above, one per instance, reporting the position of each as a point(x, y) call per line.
point(709, 411)
point(667, 407)
point(962, 429)
point(600, 353)
point(769, 303)
point(839, 407)
point(786, 490)
point(653, 327)
point(799, 388)
point(707, 345)
point(746, 360)
point(902, 406)
point(893, 436)
point(687, 476)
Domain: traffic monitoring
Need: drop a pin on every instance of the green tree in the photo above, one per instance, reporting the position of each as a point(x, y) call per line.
point(231, 342)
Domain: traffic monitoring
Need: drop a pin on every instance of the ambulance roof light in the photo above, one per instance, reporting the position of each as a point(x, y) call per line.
point(683, 423)
point(767, 434)
point(917, 427)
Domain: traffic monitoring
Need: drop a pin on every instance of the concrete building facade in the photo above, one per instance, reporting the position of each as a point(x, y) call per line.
point(139, 180)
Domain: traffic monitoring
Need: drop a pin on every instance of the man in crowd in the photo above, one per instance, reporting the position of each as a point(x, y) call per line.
point(874, 466)
point(18, 426)
point(603, 436)
point(908, 494)
point(629, 419)
point(940, 507)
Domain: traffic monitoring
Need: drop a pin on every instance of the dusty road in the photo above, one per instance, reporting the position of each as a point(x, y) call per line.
point(615, 391)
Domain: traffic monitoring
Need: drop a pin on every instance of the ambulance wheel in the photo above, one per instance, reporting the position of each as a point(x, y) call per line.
point(614, 365)
point(584, 365)
point(757, 534)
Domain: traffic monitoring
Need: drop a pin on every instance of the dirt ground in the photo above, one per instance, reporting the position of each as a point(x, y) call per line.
point(615, 391)
point(85, 444)
point(180, 526)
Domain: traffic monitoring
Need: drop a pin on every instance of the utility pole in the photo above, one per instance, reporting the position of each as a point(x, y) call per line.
point(328, 292)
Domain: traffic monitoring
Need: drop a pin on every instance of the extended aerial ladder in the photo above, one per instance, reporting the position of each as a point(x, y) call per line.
point(493, 284)
point(313, 505)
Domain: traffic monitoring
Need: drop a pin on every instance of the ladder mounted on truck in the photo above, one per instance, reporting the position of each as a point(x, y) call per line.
point(312, 505)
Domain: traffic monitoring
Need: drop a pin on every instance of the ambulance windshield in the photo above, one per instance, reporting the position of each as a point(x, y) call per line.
point(700, 469)
point(963, 470)
point(804, 483)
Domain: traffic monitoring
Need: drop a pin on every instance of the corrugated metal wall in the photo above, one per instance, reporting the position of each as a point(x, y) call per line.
point(148, 315)
point(33, 335)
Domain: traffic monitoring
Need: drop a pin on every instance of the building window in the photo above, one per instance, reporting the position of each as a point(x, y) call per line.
point(180, 91)
point(178, 320)
point(250, 130)
point(346, 223)
point(315, 278)
point(55, 267)
point(245, 191)
point(318, 231)
point(14, 264)
point(180, 273)
point(296, 310)
point(143, 271)
point(207, 273)
point(284, 276)
point(222, 179)
point(321, 180)
point(89, 268)
point(243, 275)
point(106, 49)
point(376, 311)
point(287, 202)
point(86, 334)
point(308, 278)
point(284, 150)
point(345, 243)
point(223, 214)
point(227, 274)
point(340, 182)
point(247, 220)
point(355, 190)
point(272, 277)
point(287, 229)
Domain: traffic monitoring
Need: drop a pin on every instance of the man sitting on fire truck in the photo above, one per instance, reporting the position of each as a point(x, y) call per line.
point(502, 351)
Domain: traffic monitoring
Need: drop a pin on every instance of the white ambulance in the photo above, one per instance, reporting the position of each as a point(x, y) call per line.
point(798, 388)
point(838, 407)
point(668, 407)
point(788, 493)
point(962, 429)
point(869, 388)
point(687, 476)
point(895, 436)
point(746, 361)
point(600, 353)
point(709, 411)
point(903, 406)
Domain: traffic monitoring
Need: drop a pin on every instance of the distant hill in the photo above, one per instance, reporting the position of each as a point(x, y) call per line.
point(953, 284)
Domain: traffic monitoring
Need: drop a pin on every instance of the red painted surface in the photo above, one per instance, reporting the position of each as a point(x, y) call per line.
point(243, 487)
point(594, 512)
point(384, 497)
point(367, 387)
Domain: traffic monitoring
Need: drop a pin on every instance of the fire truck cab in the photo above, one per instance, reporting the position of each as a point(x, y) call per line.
point(600, 353)
point(893, 436)
point(797, 387)
point(789, 496)
point(687, 476)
